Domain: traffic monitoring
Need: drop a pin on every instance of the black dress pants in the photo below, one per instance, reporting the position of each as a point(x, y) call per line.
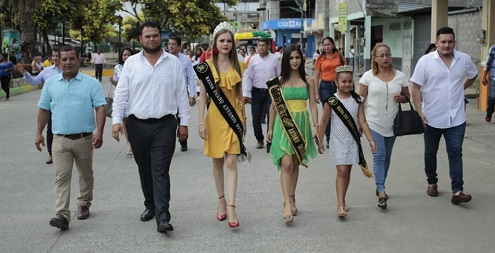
point(153, 145)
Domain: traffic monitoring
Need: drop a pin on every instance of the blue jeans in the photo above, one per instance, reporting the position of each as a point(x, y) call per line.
point(454, 137)
point(491, 99)
point(326, 90)
point(381, 158)
point(260, 101)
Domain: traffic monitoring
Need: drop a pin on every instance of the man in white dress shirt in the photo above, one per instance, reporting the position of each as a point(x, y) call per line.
point(174, 49)
point(152, 86)
point(439, 81)
point(99, 60)
point(262, 67)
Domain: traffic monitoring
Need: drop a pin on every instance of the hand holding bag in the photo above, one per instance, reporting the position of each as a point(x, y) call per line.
point(109, 99)
point(408, 122)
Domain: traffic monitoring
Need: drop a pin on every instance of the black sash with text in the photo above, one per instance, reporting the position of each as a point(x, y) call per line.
point(295, 137)
point(346, 117)
point(203, 71)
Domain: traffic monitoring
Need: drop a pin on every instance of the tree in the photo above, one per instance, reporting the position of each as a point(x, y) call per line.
point(25, 10)
point(192, 18)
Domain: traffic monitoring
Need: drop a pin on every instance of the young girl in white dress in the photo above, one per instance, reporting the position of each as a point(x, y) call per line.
point(343, 146)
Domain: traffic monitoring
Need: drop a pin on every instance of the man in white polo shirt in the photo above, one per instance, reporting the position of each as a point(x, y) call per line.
point(439, 81)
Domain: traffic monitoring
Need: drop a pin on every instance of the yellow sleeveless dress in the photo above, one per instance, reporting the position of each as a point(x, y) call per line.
point(221, 139)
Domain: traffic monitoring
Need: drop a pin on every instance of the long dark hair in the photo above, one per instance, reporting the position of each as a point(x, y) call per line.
point(121, 60)
point(232, 56)
point(286, 69)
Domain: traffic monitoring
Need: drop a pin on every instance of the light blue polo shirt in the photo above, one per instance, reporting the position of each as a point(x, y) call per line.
point(72, 103)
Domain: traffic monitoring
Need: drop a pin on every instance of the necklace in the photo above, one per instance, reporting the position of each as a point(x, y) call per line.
point(386, 86)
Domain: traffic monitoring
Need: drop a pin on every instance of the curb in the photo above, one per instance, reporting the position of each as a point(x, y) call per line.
point(20, 90)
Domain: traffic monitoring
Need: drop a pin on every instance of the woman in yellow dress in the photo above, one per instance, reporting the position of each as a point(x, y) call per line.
point(221, 143)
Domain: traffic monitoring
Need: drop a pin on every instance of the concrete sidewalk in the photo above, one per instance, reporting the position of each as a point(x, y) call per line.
point(413, 222)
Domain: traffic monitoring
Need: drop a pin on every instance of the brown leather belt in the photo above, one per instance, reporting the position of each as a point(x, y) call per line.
point(74, 136)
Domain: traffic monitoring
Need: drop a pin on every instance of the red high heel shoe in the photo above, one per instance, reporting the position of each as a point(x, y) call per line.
point(221, 217)
point(233, 224)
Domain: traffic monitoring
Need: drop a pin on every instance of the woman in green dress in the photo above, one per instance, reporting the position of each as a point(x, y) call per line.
point(297, 88)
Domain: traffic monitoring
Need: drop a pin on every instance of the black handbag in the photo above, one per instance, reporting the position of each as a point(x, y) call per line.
point(408, 122)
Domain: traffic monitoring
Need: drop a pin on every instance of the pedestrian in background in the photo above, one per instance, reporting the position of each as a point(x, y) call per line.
point(297, 88)
point(325, 71)
point(490, 68)
point(72, 97)
point(125, 53)
point(383, 88)
point(99, 60)
point(221, 142)
point(439, 81)
point(262, 67)
point(41, 78)
point(6, 67)
point(344, 148)
point(189, 75)
point(150, 90)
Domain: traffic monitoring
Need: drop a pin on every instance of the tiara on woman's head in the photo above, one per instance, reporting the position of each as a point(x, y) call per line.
point(344, 68)
point(223, 25)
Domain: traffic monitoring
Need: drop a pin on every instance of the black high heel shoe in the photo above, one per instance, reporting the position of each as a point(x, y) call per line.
point(376, 192)
point(382, 202)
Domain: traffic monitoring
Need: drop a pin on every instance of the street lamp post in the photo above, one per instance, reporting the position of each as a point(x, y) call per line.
point(120, 34)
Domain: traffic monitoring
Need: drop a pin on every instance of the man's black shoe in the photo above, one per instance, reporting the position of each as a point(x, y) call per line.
point(163, 227)
point(147, 214)
point(183, 148)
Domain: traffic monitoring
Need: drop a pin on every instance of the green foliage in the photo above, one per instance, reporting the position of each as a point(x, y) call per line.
point(192, 18)
point(93, 17)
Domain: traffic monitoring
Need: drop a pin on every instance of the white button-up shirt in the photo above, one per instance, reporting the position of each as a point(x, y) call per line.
point(259, 71)
point(151, 91)
point(188, 73)
point(442, 89)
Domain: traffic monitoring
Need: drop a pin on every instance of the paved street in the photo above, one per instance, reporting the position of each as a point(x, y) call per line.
point(413, 222)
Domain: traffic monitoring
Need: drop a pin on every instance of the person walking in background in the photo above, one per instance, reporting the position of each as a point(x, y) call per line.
point(252, 52)
point(262, 67)
point(325, 71)
point(36, 65)
point(315, 56)
point(150, 90)
point(220, 141)
point(352, 53)
point(383, 88)
point(72, 97)
point(344, 148)
point(432, 47)
point(99, 60)
point(439, 81)
point(125, 53)
point(490, 68)
point(297, 88)
point(38, 80)
point(6, 67)
point(174, 49)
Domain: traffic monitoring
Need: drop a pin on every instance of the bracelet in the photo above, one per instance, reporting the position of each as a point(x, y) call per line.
point(316, 125)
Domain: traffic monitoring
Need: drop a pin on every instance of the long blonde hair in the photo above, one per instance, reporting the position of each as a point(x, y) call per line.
point(374, 64)
point(232, 56)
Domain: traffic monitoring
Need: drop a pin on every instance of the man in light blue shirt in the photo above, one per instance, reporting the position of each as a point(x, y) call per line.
point(40, 79)
point(72, 97)
point(174, 48)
